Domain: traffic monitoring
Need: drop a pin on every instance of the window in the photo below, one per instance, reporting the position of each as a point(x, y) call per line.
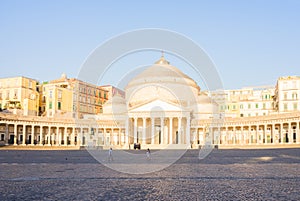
point(104, 95)
point(2, 137)
point(256, 105)
point(59, 105)
point(50, 105)
point(50, 94)
point(233, 107)
point(241, 106)
point(264, 105)
point(294, 96)
point(285, 96)
point(249, 106)
point(295, 106)
point(285, 106)
point(16, 93)
point(59, 94)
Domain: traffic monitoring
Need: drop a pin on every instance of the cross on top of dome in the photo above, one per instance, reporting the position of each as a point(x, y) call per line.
point(162, 60)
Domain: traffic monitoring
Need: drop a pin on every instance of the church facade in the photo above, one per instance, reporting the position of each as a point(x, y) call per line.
point(162, 108)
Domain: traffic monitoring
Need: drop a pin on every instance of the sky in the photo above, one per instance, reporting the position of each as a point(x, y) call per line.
point(251, 43)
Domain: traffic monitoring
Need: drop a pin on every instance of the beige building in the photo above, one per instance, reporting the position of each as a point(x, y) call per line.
point(245, 102)
point(71, 98)
point(164, 108)
point(287, 98)
point(19, 95)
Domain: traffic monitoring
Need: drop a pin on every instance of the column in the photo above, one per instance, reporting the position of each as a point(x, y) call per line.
point(135, 130)
point(257, 140)
point(152, 130)
point(226, 136)
point(249, 135)
point(32, 135)
point(162, 130)
point(80, 136)
point(41, 135)
point(104, 136)
point(179, 130)
point(264, 135)
point(244, 138)
point(127, 131)
point(188, 130)
point(219, 135)
point(297, 133)
point(273, 134)
point(234, 134)
point(72, 140)
point(281, 133)
point(24, 135)
point(144, 131)
point(57, 136)
point(119, 136)
point(66, 136)
point(49, 131)
point(53, 138)
point(15, 133)
point(171, 130)
point(290, 133)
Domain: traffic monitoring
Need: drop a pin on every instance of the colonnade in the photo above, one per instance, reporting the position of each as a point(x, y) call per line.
point(243, 134)
point(158, 130)
point(152, 130)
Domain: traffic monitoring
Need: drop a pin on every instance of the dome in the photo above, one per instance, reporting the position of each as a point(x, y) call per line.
point(161, 80)
point(162, 71)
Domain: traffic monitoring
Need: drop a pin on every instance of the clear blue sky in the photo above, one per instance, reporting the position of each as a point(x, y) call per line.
point(251, 42)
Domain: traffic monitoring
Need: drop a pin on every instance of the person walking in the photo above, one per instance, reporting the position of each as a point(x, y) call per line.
point(148, 154)
point(110, 156)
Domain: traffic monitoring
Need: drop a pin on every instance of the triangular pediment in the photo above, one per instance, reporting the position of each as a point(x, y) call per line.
point(157, 106)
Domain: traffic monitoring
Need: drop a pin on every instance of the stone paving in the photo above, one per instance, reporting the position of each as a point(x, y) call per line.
point(270, 174)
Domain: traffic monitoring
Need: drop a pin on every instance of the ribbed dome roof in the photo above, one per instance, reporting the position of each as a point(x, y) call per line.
point(162, 71)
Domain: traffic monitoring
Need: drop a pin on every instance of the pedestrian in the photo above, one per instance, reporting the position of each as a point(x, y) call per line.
point(110, 156)
point(148, 154)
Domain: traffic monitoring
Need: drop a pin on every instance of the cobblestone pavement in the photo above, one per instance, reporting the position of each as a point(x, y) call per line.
point(223, 175)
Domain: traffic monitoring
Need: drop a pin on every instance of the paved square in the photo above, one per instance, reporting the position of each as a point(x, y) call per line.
point(270, 174)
